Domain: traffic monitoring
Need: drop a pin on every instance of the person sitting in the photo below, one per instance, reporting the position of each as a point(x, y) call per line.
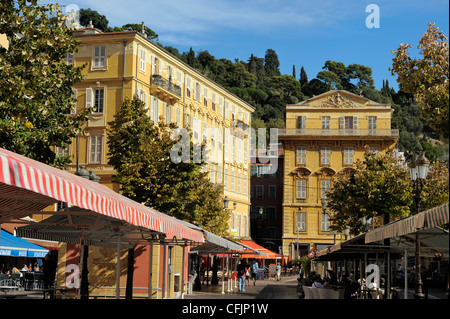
point(24, 268)
point(317, 282)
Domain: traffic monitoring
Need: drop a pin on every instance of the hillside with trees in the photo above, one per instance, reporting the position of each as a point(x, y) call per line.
point(259, 82)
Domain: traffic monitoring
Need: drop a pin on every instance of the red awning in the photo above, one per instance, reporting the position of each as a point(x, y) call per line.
point(268, 253)
point(28, 186)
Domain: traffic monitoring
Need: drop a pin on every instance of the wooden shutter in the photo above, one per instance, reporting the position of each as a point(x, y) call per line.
point(89, 98)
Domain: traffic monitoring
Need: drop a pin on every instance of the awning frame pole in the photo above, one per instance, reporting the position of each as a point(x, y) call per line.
point(223, 273)
point(406, 275)
point(150, 273)
point(119, 244)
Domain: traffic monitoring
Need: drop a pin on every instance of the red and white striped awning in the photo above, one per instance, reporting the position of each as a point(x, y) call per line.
point(28, 186)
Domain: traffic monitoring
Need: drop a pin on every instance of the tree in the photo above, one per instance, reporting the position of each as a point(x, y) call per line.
point(427, 78)
point(303, 78)
point(139, 151)
point(36, 82)
point(137, 27)
point(271, 63)
point(376, 188)
point(99, 21)
point(435, 189)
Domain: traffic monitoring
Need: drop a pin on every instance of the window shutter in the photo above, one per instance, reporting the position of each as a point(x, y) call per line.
point(301, 121)
point(355, 122)
point(89, 98)
point(341, 122)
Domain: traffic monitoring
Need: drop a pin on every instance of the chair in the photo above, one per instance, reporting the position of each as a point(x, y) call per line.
point(308, 292)
point(4, 280)
point(38, 282)
point(15, 280)
point(190, 284)
point(315, 292)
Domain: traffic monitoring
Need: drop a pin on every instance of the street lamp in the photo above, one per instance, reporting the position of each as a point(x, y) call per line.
point(225, 202)
point(418, 171)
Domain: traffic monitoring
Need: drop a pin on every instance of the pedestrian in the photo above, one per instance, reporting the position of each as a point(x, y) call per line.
point(254, 271)
point(241, 270)
point(300, 271)
point(278, 271)
point(49, 273)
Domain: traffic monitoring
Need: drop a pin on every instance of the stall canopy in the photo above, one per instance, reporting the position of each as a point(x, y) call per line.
point(28, 186)
point(214, 244)
point(401, 233)
point(18, 247)
point(263, 252)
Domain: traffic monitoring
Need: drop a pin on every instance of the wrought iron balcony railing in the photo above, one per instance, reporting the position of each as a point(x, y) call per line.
point(387, 133)
point(168, 86)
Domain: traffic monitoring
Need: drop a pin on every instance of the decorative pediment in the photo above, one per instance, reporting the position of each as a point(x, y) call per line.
point(300, 172)
point(337, 100)
point(327, 171)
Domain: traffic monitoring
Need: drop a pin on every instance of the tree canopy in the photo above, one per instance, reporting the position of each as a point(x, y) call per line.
point(427, 78)
point(36, 95)
point(140, 153)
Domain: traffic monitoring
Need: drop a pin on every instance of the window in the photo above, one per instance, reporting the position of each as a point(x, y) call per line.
point(325, 187)
point(142, 64)
point(272, 191)
point(271, 213)
point(325, 124)
point(212, 174)
point(348, 155)
point(63, 151)
point(197, 92)
point(69, 58)
point(98, 100)
point(325, 223)
point(188, 87)
point(259, 191)
point(213, 102)
point(205, 132)
point(205, 97)
point(301, 189)
point(219, 174)
point(301, 155)
point(372, 124)
point(73, 109)
point(167, 113)
point(301, 122)
point(154, 112)
point(252, 191)
point(225, 178)
point(99, 57)
point(96, 149)
point(196, 129)
point(348, 122)
point(300, 224)
point(325, 155)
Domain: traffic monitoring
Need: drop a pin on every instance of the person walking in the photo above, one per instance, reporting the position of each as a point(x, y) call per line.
point(254, 271)
point(278, 271)
point(241, 270)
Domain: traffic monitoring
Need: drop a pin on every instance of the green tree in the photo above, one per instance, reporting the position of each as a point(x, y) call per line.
point(427, 78)
point(140, 152)
point(271, 63)
point(303, 77)
point(36, 82)
point(99, 21)
point(376, 188)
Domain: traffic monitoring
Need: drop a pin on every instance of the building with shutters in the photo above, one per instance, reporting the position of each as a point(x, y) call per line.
point(325, 135)
point(120, 64)
point(127, 64)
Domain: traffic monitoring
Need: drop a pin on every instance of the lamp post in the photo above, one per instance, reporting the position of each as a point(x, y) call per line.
point(418, 171)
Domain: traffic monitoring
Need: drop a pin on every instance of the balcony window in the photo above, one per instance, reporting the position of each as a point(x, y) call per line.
point(301, 189)
point(301, 155)
point(300, 224)
point(99, 57)
point(325, 155)
point(348, 155)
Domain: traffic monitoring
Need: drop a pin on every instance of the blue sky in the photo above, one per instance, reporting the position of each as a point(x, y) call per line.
point(302, 32)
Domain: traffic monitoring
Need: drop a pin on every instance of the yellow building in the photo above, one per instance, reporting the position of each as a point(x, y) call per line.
point(120, 64)
point(324, 135)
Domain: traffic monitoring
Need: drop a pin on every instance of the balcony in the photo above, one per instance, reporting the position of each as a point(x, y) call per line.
point(165, 89)
point(341, 133)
